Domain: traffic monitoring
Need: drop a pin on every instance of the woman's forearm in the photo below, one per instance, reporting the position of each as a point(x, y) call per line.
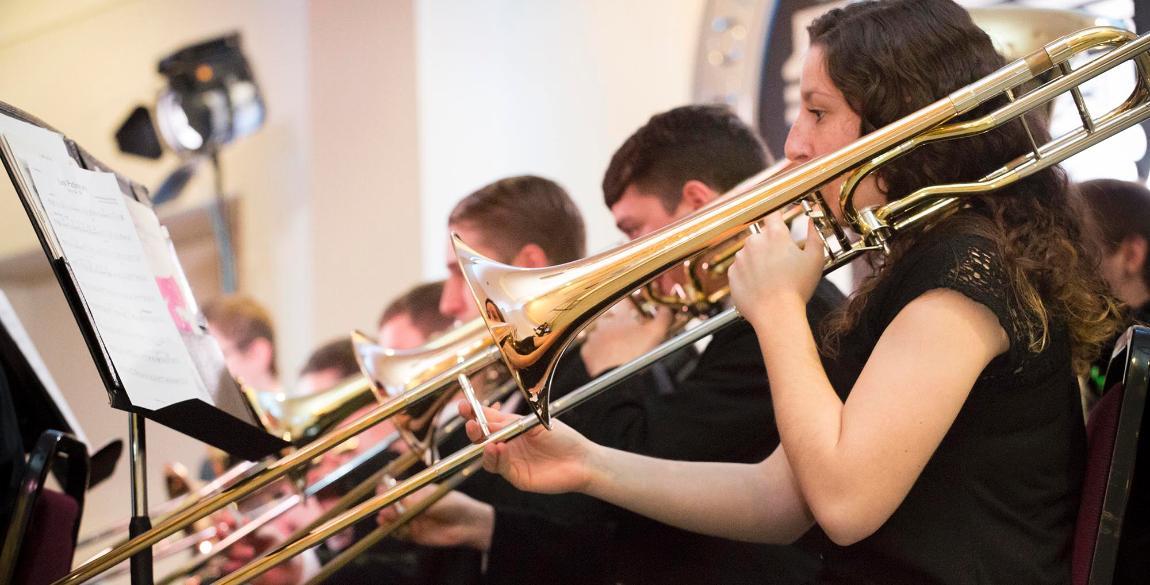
point(752, 502)
point(808, 412)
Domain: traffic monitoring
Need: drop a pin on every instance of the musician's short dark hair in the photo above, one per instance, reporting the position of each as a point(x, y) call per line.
point(706, 143)
point(517, 211)
point(1120, 209)
point(421, 305)
point(337, 354)
point(242, 319)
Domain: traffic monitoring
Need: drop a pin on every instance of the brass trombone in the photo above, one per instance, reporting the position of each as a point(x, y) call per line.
point(395, 468)
point(479, 356)
point(534, 314)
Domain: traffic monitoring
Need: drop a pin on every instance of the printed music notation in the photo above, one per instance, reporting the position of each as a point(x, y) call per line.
point(94, 229)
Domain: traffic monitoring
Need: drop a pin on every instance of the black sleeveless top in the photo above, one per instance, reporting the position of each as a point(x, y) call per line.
point(997, 501)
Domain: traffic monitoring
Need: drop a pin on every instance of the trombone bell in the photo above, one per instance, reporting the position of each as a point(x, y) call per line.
point(395, 371)
point(299, 419)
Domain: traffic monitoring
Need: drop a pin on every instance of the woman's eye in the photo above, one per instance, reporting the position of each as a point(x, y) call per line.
point(818, 114)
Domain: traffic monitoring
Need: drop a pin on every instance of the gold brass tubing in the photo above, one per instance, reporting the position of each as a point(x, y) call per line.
point(275, 471)
point(945, 132)
point(382, 532)
point(362, 490)
point(1052, 154)
point(467, 455)
point(1066, 47)
point(271, 512)
point(1019, 107)
point(181, 502)
point(393, 469)
point(169, 548)
point(365, 488)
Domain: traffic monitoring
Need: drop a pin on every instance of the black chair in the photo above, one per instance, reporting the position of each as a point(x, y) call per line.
point(41, 535)
point(1113, 431)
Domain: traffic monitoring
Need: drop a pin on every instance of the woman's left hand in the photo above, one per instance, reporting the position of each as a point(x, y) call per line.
point(771, 269)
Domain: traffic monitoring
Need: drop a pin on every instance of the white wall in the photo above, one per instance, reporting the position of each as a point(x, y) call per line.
point(551, 88)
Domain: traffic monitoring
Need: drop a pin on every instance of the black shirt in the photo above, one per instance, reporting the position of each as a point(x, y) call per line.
point(721, 411)
point(997, 501)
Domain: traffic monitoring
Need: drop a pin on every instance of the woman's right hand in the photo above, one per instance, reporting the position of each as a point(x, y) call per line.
point(548, 462)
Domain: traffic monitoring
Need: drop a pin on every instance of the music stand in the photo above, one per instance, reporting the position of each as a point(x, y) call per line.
point(181, 384)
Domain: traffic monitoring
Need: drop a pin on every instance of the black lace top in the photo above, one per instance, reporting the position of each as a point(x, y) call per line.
point(997, 501)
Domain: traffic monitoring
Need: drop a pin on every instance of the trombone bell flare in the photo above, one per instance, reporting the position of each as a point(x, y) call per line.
point(530, 359)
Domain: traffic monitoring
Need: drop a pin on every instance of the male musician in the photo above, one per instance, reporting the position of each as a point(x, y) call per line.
point(246, 335)
point(524, 221)
point(413, 318)
point(528, 222)
point(244, 329)
point(719, 410)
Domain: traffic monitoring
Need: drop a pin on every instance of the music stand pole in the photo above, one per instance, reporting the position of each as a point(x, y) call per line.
point(141, 563)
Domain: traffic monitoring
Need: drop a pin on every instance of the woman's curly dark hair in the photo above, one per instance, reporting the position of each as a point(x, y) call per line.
point(886, 74)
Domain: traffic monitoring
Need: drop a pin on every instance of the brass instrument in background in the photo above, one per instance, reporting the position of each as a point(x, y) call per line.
point(389, 371)
point(274, 470)
point(300, 418)
point(395, 370)
point(700, 282)
point(533, 314)
point(422, 426)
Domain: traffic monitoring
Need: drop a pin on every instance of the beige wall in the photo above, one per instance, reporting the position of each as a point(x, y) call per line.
point(82, 67)
point(365, 187)
point(309, 184)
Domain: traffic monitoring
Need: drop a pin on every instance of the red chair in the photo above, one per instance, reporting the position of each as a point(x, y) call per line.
point(41, 535)
point(1112, 434)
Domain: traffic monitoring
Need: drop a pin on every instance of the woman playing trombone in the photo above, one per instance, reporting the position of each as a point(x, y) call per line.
point(958, 455)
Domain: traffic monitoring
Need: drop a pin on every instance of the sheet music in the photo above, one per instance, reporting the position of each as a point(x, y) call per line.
point(31, 143)
point(34, 142)
point(94, 228)
point(16, 330)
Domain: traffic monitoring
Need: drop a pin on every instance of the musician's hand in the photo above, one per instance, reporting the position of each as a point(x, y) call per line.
point(455, 520)
point(772, 272)
point(620, 335)
point(539, 460)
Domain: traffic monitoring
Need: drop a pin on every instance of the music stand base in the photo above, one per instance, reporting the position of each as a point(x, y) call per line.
point(141, 564)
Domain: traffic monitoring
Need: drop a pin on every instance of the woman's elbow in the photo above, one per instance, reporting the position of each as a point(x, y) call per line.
point(847, 524)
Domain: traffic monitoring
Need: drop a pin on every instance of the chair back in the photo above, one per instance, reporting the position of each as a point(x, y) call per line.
point(41, 536)
point(1112, 433)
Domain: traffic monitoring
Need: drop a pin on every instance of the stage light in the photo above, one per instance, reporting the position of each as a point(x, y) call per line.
point(211, 100)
